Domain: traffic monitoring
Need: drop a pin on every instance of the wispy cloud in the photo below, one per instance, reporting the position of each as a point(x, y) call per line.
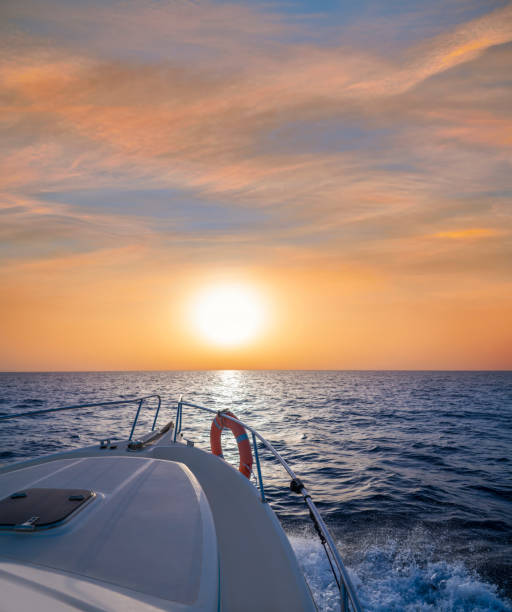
point(288, 139)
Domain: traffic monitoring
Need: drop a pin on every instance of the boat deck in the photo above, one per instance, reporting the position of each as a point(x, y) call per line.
point(258, 569)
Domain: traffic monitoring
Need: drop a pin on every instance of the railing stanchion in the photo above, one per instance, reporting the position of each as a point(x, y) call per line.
point(255, 446)
point(136, 418)
point(156, 415)
point(178, 420)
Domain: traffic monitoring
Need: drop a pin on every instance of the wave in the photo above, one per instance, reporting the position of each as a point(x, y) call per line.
point(389, 577)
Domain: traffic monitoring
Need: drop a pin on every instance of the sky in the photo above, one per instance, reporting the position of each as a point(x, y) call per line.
point(350, 163)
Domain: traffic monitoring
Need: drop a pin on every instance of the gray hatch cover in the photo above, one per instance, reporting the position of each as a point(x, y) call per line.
point(40, 508)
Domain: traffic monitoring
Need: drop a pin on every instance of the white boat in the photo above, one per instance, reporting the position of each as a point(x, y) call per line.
point(153, 523)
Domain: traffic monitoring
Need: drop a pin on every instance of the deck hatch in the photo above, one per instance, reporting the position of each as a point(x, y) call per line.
point(38, 508)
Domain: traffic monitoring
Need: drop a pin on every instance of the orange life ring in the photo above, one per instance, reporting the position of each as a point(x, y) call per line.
point(244, 446)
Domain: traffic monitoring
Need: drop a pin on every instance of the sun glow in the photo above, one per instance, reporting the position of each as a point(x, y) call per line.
point(228, 315)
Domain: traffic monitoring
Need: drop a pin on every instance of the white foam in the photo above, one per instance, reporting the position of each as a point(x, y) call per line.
point(389, 578)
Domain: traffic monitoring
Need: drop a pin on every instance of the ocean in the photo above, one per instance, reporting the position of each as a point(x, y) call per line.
point(412, 471)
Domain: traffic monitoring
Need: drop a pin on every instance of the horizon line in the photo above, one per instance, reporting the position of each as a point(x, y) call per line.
point(254, 370)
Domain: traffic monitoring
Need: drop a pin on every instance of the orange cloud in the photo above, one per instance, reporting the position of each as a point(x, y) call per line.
point(469, 234)
point(468, 40)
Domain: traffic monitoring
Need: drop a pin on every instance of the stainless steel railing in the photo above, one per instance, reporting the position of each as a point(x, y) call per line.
point(139, 400)
point(348, 597)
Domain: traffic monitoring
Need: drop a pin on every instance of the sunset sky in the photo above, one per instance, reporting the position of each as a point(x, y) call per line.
point(346, 164)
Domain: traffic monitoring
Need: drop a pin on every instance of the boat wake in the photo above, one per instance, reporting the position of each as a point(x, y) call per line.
point(389, 578)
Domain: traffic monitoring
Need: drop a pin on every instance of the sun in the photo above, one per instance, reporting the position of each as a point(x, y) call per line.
point(228, 315)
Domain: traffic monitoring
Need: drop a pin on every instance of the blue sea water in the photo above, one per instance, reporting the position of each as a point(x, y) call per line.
point(412, 471)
